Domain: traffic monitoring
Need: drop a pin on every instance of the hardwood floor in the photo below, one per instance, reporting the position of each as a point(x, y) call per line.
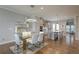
point(51, 48)
point(59, 48)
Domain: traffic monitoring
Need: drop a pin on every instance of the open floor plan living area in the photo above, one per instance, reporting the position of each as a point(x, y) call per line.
point(39, 29)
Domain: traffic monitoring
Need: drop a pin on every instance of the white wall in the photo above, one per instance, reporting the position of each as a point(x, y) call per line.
point(8, 20)
point(77, 27)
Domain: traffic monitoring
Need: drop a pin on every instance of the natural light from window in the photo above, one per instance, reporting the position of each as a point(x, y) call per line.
point(55, 27)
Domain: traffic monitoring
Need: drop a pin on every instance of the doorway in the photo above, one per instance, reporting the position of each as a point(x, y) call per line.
point(70, 32)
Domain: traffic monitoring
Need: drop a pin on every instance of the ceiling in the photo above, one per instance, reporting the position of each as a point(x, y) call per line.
point(45, 11)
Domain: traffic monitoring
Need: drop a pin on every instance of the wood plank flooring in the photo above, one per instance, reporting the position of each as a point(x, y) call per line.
point(59, 48)
point(51, 48)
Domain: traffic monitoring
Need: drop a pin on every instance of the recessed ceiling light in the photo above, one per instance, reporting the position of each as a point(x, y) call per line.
point(42, 8)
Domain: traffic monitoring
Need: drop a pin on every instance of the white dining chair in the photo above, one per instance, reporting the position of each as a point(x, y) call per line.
point(40, 37)
point(34, 38)
point(17, 39)
point(33, 41)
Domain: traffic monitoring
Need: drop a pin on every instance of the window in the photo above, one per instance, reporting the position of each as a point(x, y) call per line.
point(70, 28)
point(55, 27)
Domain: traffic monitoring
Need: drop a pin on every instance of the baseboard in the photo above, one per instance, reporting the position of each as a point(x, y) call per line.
point(5, 42)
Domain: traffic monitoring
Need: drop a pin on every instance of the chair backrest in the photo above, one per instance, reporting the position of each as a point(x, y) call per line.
point(34, 38)
point(17, 39)
point(40, 37)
